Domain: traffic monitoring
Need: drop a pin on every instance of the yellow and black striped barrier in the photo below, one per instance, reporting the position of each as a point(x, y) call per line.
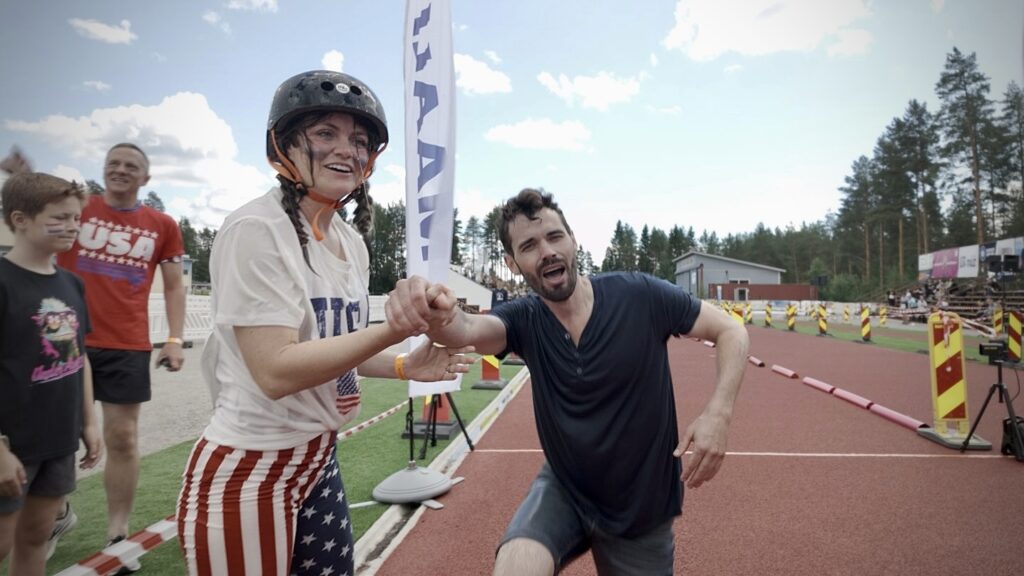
point(1013, 342)
point(822, 321)
point(767, 315)
point(791, 317)
point(883, 315)
point(865, 324)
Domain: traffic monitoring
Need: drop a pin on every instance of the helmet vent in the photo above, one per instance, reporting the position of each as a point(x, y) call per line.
point(357, 91)
point(326, 86)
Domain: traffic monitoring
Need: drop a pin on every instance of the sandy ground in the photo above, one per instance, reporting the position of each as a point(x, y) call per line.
point(179, 410)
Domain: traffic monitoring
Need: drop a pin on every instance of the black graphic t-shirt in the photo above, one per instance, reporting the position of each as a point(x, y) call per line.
point(43, 322)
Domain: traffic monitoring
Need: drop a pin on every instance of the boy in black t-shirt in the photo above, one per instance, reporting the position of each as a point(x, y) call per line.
point(45, 379)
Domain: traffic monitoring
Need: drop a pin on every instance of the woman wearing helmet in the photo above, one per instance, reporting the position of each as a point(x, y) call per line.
point(261, 490)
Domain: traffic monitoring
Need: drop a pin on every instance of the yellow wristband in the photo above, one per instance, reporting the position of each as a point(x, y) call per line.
point(400, 367)
point(173, 340)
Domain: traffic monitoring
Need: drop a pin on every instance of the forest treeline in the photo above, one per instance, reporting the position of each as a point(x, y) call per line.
point(935, 179)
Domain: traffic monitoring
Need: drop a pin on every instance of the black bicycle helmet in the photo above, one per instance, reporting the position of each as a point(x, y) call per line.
point(325, 90)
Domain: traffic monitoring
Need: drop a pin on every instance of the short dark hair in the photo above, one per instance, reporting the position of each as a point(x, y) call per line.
point(30, 192)
point(132, 147)
point(528, 202)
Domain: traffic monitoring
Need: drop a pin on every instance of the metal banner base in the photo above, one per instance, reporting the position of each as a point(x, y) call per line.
point(445, 430)
point(976, 443)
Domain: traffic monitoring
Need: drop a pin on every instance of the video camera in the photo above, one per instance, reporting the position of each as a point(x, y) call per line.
point(995, 350)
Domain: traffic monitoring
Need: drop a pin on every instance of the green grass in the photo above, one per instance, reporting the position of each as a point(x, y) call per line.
point(884, 337)
point(365, 458)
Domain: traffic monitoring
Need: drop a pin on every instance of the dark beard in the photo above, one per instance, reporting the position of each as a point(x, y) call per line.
point(536, 282)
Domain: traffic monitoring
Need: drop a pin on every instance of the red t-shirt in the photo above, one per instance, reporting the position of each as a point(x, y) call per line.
point(116, 254)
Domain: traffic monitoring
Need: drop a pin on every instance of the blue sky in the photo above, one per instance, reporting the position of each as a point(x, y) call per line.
point(711, 114)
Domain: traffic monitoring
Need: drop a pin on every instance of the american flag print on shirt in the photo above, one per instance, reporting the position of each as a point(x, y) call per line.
point(348, 393)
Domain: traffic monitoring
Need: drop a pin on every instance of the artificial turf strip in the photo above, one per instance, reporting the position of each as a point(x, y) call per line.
point(366, 459)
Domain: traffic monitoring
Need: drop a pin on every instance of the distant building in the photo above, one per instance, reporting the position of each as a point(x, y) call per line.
point(715, 277)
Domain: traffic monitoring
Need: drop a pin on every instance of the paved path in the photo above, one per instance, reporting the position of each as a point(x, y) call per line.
point(179, 410)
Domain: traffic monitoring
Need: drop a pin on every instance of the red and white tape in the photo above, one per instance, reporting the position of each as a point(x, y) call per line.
point(364, 425)
point(131, 548)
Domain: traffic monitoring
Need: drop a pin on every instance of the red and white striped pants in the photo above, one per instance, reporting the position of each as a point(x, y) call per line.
point(237, 508)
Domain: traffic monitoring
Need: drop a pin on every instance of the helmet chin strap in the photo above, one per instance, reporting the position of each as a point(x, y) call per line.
point(287, 169)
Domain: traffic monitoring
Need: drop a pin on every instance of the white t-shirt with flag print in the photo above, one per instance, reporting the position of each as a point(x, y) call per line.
point(260, 279)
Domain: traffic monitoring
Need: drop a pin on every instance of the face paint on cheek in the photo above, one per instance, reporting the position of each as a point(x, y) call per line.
point(55, 228)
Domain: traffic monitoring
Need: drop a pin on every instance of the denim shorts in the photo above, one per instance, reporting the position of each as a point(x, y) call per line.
point(548, 516)
point(48, 479)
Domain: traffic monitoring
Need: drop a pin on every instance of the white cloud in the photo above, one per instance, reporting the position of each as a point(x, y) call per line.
point(387, 185)
point(257, 5)
point(654, 60)
point(492, 56)
point(333, 60)
point(476, 77)
point(707, 29)
point(732, 68)
point(214, 19)
point(542, 134)
point(938, 6)
point(68, 173)
point(851, 43)
point(159, 57)
point(96, 30)
point(598, 92)
point(190, 147)
point(97, 85)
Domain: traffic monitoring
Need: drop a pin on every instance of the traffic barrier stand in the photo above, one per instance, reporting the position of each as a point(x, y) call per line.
point(1013, 333)
point(755, 361)
point(846, 314)
point(818, 384)
point(784, 371)
point(791, 317)
point(997, 320)
point(949, 384)
point(865, 324)
point(822, 321)
point(736, 312)
point(748, 313)
point(767, 315)
point(883, 315)
point(131, 548)
point(490, 376)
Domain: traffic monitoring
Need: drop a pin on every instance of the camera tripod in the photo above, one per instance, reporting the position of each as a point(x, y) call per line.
point(1016, 437)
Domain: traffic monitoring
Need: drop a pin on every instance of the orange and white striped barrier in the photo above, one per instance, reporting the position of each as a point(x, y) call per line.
point(949, 384)
point(131, 548)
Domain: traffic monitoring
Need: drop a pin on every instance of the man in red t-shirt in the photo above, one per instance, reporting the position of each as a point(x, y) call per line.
point(120, 247)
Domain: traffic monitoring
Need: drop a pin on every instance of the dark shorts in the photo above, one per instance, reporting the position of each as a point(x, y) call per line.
point(47, 479)
point(120, 376)
point(547, 515)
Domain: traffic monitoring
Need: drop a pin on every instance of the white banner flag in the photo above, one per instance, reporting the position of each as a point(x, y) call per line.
point(429, 150)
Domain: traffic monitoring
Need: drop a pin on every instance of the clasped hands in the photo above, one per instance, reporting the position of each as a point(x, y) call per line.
point(416, 306)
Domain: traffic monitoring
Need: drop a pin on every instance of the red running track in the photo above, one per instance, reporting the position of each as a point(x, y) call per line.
point(812, 485)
